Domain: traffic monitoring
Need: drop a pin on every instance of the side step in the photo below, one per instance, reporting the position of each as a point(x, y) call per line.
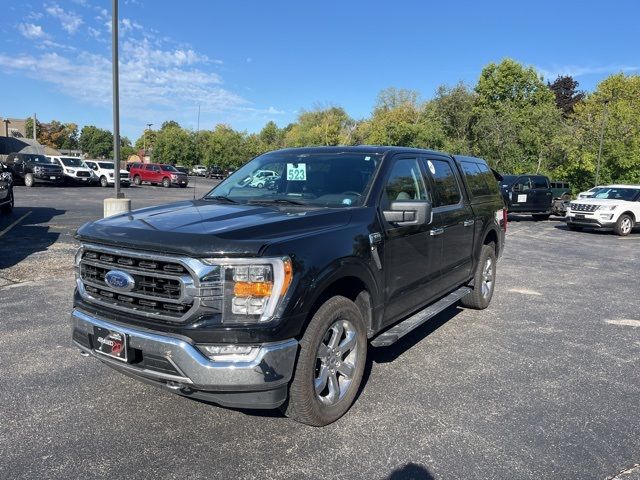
point(401, 329)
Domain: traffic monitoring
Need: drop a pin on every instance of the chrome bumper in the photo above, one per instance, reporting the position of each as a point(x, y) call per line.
point(270, 370)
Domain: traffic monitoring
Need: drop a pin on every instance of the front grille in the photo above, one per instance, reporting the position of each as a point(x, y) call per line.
point(124, 176)
point(583, 207)
point(83, 174)
point(159, 285)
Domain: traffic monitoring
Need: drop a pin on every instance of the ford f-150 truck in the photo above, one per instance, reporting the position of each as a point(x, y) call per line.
point(264, 298)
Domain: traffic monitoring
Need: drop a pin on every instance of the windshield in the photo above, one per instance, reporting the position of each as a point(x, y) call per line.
point(316, 179)
point(168, 168)
point(617, 193)
point(32, 157)
point(508, 180)
point(106, 165)
point(72, 162)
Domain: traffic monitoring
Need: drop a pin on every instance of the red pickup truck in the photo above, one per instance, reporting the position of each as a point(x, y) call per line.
point(158, 173)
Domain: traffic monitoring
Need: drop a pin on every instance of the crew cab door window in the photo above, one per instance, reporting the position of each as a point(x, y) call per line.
point(523, 184)
point(405, 182)
point(446, 190)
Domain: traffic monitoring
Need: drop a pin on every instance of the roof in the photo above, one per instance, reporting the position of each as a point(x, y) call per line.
point(371, 149)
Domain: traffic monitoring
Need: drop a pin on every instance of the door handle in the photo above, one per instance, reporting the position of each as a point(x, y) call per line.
point(434, 232)
point(468, 223)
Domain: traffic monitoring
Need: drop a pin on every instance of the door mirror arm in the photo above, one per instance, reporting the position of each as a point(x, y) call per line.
point(406, 213)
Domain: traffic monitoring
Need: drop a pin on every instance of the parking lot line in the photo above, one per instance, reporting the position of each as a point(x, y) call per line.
point(15, 223)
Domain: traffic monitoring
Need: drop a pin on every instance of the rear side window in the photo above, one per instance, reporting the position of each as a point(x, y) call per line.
point(445, 184)
point(477, 179)
point(539, 182)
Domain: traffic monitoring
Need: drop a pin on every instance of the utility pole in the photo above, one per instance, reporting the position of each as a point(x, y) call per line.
point(117, 205)
point(604, 122)
point(6, 127)
point(145, 138)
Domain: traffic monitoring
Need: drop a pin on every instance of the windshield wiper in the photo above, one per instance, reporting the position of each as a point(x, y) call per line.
point(220, 198)
point(277, 200)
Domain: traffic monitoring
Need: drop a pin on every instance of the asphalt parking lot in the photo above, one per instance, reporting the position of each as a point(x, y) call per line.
point(545, 383)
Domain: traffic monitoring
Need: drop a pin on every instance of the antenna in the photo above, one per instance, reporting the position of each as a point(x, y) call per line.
point(197, 135)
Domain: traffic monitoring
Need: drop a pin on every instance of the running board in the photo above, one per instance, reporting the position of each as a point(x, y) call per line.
point(401, 329)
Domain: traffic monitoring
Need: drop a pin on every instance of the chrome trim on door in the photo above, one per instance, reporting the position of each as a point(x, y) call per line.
point(436, 231)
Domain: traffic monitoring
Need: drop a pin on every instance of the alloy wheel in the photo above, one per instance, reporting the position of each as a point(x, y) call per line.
point(487, 278)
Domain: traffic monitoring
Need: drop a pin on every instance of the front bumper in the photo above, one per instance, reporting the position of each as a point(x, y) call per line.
point(594, 219)
point(180, 181)
point(175, 363)
point(48, 177)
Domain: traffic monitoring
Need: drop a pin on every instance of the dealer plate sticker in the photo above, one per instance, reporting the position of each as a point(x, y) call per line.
point(296, 172)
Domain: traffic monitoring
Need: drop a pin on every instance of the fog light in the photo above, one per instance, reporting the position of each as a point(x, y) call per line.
point(230, 353)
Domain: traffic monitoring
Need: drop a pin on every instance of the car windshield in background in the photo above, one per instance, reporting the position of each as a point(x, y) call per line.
point(72, 162)
point(168, 168)
point(628, 194)
point(37, 158)
point(106, 165)
point(320, 180)
point(508, 180)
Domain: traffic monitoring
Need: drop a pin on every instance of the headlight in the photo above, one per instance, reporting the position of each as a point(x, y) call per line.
point(607, 208)
point(37, 169)
point(111, 174)
point(174, 176)
point(69, 170)
point(252, 287)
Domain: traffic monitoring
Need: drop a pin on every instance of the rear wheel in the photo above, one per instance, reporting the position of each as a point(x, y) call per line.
point(104, 182)
point(624, 225)
point(484, 280)
point(8, 207)
point(166, 183)
point(541, 217)
point(331, 362)
point(29, 181)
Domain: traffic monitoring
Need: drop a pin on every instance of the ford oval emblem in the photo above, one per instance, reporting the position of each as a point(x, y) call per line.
point(120, 280)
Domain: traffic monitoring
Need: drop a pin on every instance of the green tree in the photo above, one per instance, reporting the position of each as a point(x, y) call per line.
point(173, 145)
point(271, 136)
point(322, 126)
point(225, 148)
point(96, 142)
point(453, 108)
point(565, 89)
point(149, 141)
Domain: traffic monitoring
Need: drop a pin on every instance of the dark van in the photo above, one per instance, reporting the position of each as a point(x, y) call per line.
point(527, 194)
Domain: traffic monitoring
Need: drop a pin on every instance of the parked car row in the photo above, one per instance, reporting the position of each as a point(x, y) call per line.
point(210, 172)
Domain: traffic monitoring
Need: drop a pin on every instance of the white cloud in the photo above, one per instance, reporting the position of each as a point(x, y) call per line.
point(579, 71)
point(70, 21)
point(32, 31)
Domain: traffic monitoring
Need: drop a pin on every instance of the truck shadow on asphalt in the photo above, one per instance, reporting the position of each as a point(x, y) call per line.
point(411, 471)
point(30, 235)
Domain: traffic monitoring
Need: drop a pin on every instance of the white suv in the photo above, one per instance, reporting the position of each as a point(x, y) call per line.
point(103, 170)
point(613, 206)
point(75, 170)
point(199, 170)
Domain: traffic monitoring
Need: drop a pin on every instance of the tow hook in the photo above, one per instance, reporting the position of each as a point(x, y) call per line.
point(83, 353)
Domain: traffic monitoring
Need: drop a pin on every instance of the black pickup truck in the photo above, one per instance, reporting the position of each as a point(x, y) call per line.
point(32, 168)
point(264, 298)
point(528, 194)
point(6, 189)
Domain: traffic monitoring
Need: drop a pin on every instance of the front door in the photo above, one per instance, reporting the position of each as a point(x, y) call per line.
point(454, 222)
point(411, 254)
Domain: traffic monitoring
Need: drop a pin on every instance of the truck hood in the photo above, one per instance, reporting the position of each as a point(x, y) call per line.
point(209, 229)
point(598, 201)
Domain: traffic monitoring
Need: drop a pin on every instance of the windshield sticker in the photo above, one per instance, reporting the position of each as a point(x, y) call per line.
point(346, 201)
point(296, 172)
point(522, 198)
point(366, 159)
point(432, 169)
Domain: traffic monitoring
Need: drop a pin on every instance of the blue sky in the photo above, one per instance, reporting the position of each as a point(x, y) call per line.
point(247, 62)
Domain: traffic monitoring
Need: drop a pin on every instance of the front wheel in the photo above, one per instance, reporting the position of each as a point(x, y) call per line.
point(166, 183)
point(484, 280)
point(333, 352)
point(624, 225)
point(29, 181)
point(137, 180)
point(104, 182)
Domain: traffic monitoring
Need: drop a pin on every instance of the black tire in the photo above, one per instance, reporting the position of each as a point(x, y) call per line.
point(574, 228)
point(8, 207)
point(624, 225)
point(104, 183)
point(29, 180)
point(166, 183)
point(304, 404)
point(183, 186)
point(479, 298)
point(260, 185)
point(137, 180)
point(539, 217)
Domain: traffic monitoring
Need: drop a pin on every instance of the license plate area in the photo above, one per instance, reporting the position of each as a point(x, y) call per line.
point(580, 215)
point(110, 343)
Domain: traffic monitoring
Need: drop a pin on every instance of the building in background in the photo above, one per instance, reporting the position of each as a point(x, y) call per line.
point(13, 127)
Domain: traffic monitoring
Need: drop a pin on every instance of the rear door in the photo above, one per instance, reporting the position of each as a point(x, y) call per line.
point(411, 255)
point(453, 220)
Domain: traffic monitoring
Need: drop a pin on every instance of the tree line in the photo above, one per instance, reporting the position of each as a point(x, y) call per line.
point(511, 117)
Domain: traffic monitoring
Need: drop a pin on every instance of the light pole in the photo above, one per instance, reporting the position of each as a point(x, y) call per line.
point(114, 206)
point(145, 138)
point(604, 122)
point(6, 127)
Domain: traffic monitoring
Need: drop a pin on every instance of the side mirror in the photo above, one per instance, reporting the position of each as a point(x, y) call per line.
point(403, 213)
